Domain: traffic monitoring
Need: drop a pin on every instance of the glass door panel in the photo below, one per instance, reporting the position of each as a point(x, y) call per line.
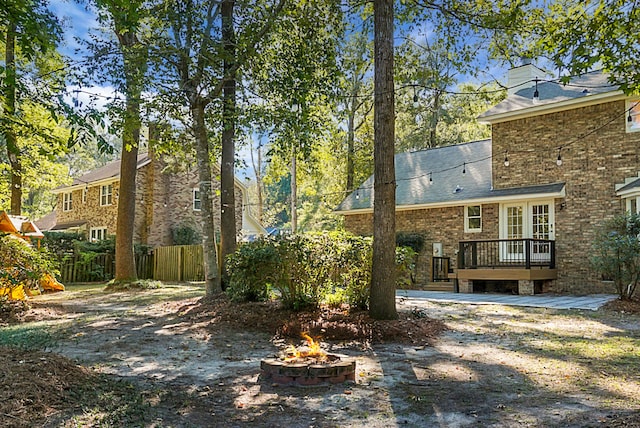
point(514, 250)
point(540, 229)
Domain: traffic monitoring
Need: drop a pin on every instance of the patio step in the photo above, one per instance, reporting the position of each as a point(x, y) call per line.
point(440, 286)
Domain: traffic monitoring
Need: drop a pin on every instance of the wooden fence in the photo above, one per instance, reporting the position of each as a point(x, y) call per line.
point(83, 268)
point(179, 263)
point(99, 267)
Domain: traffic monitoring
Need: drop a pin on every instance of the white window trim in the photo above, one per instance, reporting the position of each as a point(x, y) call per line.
point(106, 199)
point(467, 229)
point(193, 199)
point(527, 227)
point(628, 202)
point(102, 231)
point(632, 109)
point(67, 201)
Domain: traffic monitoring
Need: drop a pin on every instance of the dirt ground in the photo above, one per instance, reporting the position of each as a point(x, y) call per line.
point(166, 358)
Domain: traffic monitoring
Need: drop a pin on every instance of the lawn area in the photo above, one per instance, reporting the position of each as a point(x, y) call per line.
point(166, 357)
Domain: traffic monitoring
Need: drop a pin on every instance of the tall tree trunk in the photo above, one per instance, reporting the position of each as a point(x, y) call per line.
point(382, 302)
point(228, 230)
point(135, 60)
point(294, 192)
point(125, 257)
point(435, 118)
point(351, 151)
point(257, 171)
point(212, 278)
point(13, 151)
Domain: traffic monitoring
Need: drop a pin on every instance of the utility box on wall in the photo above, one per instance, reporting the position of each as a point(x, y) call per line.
point(437, 249)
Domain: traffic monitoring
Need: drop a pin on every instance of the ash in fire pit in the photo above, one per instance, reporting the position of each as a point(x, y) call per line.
point(309, 365)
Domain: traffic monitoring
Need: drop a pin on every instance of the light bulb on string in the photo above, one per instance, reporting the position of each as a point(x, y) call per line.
point(559, 159)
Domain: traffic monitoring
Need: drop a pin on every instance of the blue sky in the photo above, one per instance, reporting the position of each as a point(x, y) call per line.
point(77, 21)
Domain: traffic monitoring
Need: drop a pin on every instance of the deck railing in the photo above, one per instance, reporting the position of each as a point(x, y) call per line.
point(507, 253)
point(440, 269)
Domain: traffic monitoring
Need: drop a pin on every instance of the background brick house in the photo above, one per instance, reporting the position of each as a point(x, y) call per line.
point(167, 197)
point(519, 212)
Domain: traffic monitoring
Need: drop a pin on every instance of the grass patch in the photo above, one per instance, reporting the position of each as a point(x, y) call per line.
point(27, 336)
point(140, 284)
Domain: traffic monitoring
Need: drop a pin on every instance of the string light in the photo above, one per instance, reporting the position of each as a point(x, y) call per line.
point(536, 94)
point(430, 177)
point(464, 168)
point(506, 158)
point(559, 160)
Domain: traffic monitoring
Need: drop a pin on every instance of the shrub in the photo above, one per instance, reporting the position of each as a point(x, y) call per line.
point(415, 241)
point(308, 269)
point(252, 269)
point(185, 235)
point(617, 253)
point(405, 267)
point(21, 264)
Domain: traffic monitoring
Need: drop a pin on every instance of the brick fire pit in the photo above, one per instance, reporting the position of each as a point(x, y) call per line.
point(333, 370)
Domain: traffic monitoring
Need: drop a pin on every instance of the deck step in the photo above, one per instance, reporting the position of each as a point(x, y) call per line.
point(440, 286)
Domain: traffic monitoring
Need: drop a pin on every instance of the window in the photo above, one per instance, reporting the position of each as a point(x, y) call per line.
point(67, 204)
point(473, 218)
point(632, 205)
point(197, 203)
point(84, 195)
point(633, 115)
point(97, 234)
point(105, 194)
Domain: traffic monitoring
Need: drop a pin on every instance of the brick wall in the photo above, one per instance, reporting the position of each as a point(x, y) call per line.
point(164, 200)
point(443, 225)
point(90, 210)
point(171, 196)
point(591, 166)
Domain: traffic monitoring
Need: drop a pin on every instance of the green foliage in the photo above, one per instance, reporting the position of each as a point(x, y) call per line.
point(579, 36)
point(415, 241)
point(22, 264)
point(252, 269)
point(306, 270)
point(405, 267)
point(185, 235)
point(104, 246)
point(60, 243)
point(617, 253)
point(26, 336)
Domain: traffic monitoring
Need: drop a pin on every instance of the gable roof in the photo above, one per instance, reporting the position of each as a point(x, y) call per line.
point(585, 89)
point(18, 225)
point(110, 171)
point(434, 178)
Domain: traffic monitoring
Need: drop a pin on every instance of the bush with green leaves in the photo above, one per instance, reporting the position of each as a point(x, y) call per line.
point(185, 234)
point(22, 264)
point(308, 269)
point(252, 269)
point(617, 253)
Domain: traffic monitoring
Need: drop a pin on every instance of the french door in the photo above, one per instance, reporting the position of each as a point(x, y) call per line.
point(527, 220)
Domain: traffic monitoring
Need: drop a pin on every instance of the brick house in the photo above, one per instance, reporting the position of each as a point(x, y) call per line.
point(519, 212)
point(167, 197)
